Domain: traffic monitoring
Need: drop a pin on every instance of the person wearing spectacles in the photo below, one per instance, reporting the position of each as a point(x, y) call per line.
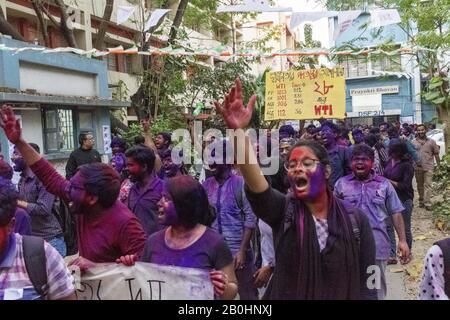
point(318, 254)
point(85, 154)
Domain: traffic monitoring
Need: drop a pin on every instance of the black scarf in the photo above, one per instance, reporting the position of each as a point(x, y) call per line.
point(302, 271)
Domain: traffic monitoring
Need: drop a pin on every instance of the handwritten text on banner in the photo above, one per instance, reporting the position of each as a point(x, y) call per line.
point(305, 94)
point(144, 281)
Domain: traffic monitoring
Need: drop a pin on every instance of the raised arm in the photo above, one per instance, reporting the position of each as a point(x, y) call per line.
point(149, 143)
point(51, 179)
point(236, 116)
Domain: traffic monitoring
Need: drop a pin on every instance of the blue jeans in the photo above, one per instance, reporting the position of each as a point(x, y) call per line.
point(59, 244)
point(407, 213)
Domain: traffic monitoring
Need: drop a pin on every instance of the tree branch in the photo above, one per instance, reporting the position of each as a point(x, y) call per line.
point(49, 15)
point(67, 33)
point(101, 32)
point(42, 23)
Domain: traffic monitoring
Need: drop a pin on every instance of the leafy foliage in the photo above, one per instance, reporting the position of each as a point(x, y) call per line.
point(441, 209)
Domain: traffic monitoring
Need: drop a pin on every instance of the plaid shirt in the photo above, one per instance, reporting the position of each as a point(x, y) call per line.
point(13, 273)
point(322, 232)
point(40, 203)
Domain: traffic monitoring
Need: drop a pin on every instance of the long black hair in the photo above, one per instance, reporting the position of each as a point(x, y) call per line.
point(190, 201)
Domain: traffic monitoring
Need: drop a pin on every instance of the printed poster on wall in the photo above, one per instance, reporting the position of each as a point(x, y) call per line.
point(106, 133)
point(305, 94)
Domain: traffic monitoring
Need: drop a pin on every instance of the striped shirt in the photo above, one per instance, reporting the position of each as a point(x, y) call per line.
point(13, 272)
point(40, 203)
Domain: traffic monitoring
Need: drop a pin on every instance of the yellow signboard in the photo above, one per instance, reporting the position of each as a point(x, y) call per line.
point(305, 94)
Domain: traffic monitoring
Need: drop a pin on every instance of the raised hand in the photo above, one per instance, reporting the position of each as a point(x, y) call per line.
point(10, 124)
point(234, 113)
point(146, 125)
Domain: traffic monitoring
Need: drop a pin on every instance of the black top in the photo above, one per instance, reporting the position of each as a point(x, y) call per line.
point(401, 172)
point(332, 276)
point(78, 158)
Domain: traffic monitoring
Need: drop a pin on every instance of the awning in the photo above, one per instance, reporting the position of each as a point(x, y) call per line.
point(18, 97)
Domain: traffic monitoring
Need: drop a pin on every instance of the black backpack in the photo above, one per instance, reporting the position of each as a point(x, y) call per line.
point(36, 263)
point(68, 226)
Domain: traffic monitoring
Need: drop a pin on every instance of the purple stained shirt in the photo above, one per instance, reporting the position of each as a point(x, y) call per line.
point(23, 223)
point(143, 202)
point(208, 252)
point(234, 213)
point(376, 197)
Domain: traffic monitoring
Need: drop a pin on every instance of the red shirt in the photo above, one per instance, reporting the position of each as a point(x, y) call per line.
point(101, 238)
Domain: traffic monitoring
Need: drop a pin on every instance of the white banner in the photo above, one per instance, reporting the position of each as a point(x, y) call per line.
point(298, 17)
point(144, 281)
point(253, 6)
point(157, 15)
point(124, 13)
point(345, 19)
point(381, 17)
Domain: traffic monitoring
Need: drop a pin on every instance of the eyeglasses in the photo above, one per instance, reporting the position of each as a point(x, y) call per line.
point(307, 164)
point(71, 187)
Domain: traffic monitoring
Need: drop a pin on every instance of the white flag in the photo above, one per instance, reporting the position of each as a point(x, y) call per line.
point(155, 17)
point(298, 17)
point(382, 17)
point(345, 19)
point(124, 13)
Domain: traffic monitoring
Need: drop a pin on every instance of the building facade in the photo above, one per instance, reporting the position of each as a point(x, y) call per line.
point(380, 88)
point(56, 96)
point(123, 71)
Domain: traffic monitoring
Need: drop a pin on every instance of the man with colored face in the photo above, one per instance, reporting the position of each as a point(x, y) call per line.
point(15, 281)
point(38, 203)
point(377, 198)
point(235, 219)
point(147, 187)
point(106, 229)
point(318, 255)
point(428, 152)
point(162, 142)
point(85, 154)
point(339, 155)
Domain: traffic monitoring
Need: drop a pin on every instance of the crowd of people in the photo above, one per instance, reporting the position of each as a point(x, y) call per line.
point(313, 230)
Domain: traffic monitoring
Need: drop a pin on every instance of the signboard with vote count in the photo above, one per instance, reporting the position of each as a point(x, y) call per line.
point(305, 94)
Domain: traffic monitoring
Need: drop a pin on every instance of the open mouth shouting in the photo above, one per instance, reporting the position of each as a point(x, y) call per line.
point(300, 184)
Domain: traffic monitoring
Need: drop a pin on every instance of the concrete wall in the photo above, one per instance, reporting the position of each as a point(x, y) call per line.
point(65, 62)
point(81, 84)
point(131, 81)
point(403, 100)
point(32, 127)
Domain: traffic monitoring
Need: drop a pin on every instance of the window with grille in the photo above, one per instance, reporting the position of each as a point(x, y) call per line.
point(58, 130)
point(354, 66)
point(386, 63)
point(61, 126)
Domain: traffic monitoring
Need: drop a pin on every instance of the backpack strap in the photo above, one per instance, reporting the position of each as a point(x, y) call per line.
point(445, 247)
point(238, 189)
point(36, 263)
